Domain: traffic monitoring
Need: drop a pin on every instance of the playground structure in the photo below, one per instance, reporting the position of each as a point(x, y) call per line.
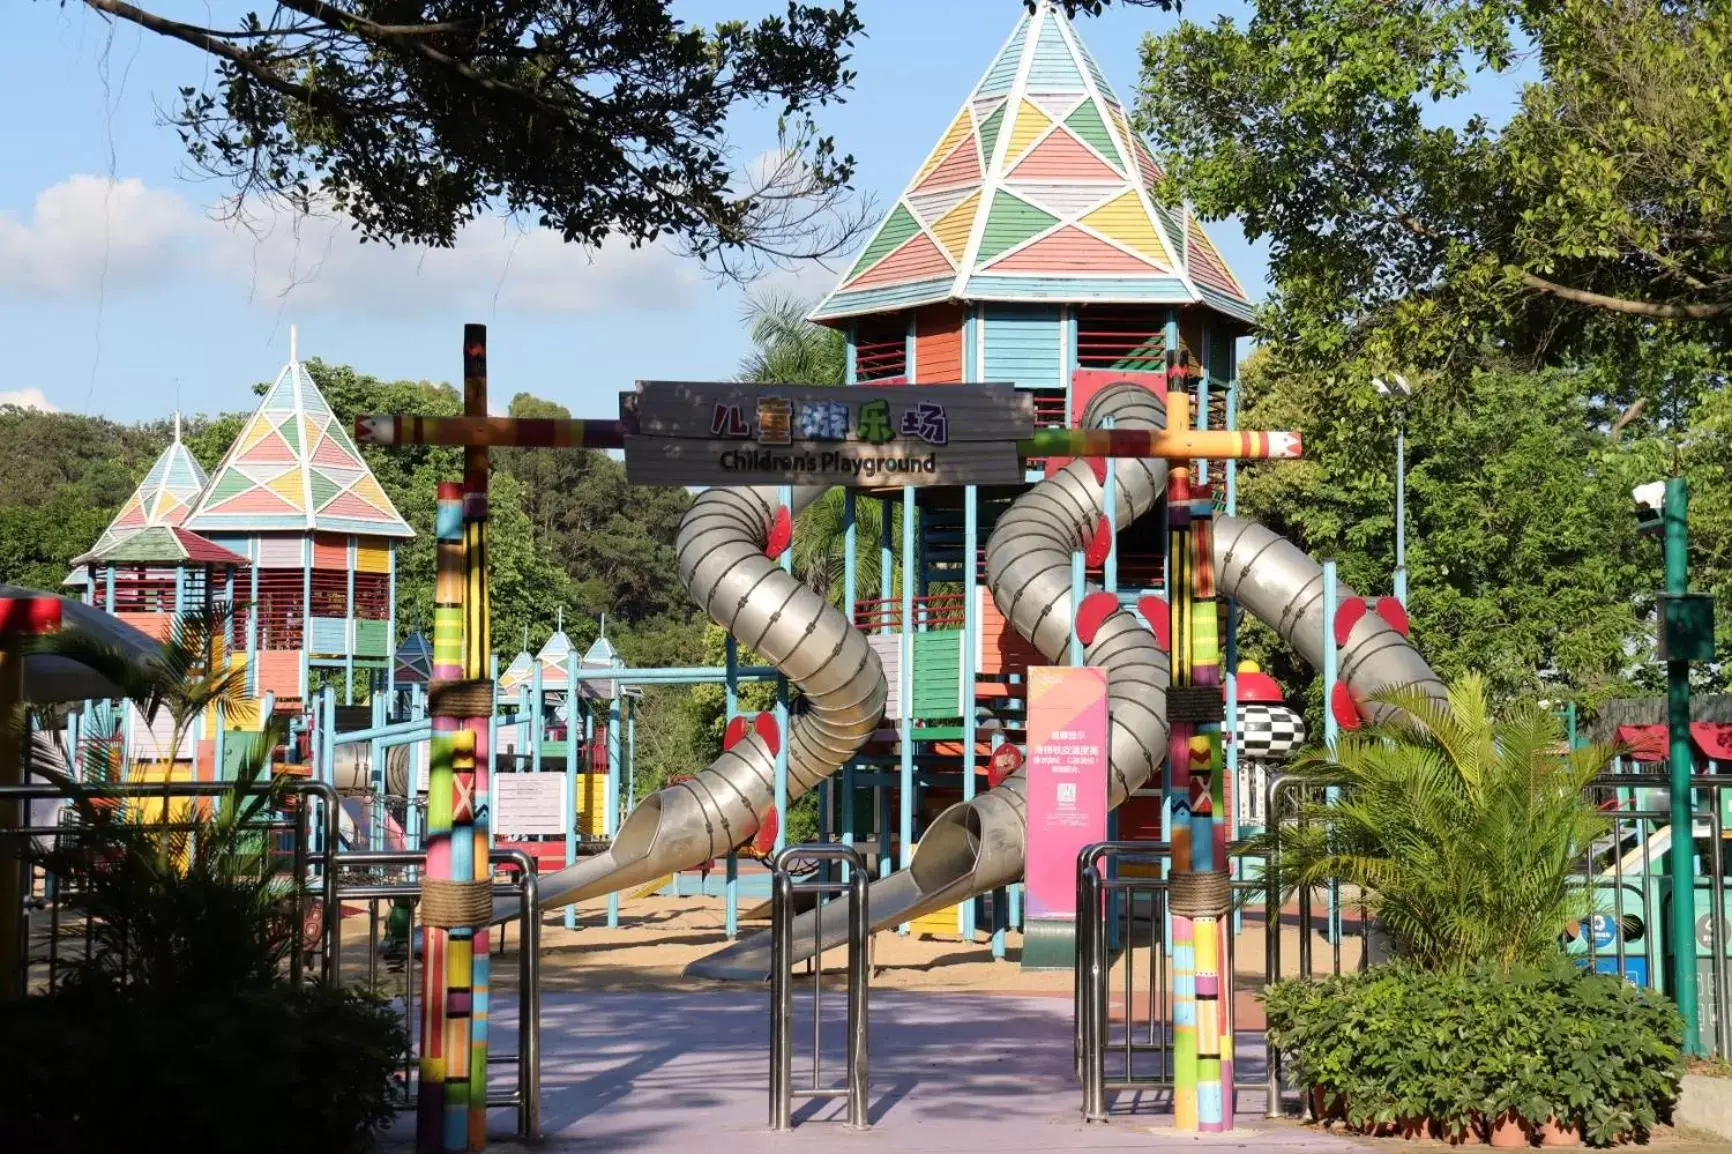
point(1028, 249)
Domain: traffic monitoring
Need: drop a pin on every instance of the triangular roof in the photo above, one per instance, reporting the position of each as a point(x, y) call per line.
point(164, 498)
point(163, 545)
point(294, 466)
point(521, 671)
point(1037, 191)
point(553, 657)
point(414, 660)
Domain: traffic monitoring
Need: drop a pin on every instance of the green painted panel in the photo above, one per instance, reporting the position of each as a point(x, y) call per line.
point(323, 487)
point(1086, 122)
point(228, 485)
point(897, 227)
point(937, 674)
point(371, 638)
point(989, 131)
point(1011, 222)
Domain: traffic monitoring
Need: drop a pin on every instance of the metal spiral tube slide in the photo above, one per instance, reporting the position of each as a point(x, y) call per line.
point(721, 549)
point(979, 845)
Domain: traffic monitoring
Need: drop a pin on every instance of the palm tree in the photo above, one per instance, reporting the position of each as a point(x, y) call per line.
point(193, 893)
point(1462, 832)
point(188, 677)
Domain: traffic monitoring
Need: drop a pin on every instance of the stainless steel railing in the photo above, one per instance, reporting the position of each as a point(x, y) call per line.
point(525, 1095)
point(297, 822)
point(782, 914)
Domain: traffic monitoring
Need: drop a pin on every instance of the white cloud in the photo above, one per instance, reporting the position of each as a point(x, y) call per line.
point(28, 399)
point(88, 234)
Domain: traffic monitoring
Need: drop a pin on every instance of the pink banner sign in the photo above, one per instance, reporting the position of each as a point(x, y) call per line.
point(1067, 781)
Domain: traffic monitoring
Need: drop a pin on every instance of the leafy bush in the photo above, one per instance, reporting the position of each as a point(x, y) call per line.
point(289, 1069)
point(1402, 1043)
point(1461, 831)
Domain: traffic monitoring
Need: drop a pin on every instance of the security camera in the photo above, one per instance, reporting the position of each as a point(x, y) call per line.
point(1650, 503)
point(1382, 389)
point(1401, 386)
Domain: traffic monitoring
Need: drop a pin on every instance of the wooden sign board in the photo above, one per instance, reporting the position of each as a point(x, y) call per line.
point(740, 433)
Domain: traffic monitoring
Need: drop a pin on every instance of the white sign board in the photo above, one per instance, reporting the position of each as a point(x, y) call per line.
point(529, 803)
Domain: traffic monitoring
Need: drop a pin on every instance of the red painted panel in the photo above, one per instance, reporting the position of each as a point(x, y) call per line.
point(1062, 156)
point(1002, 649)
point(330, 551)
point(279, 672)
point(938, 344)
point(962, 166)
point(1070, 249)
point(919, 259)
point(1140, 818)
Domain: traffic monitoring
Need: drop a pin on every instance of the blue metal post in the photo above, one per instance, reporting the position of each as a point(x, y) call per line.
point(731, 690)
point(538, 725)
point(1401, 511)
point(1078, 587)
point(1231, 469)
point(785, 494)
point(610, 819)
point(886, 590)
point(970, 635)
point(349, 627)
point(905, 818)
point(1331, 729)
point(850, 579)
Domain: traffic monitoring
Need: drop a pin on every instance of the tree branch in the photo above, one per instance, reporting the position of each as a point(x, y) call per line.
point(1651, 309)
point(206, 40)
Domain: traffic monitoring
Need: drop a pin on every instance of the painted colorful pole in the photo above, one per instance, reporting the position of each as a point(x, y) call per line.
point(438, 1069)
point(1202, 989)
point(456, 904)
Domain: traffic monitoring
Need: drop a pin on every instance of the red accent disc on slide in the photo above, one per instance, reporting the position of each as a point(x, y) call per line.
point(1005, 760)
point(765, 725)
point(1098, 466)
point(1345, 707)
point(1159, 616)
point(735, 732)
point(1347, 616)
point(1096, 608)
point(781, 534)
point(1393, 612)
point(1100, 543)
point(764, 841)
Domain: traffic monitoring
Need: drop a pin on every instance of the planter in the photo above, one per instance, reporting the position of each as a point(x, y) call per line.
point(1327, 1107)
point(1413, 1128)
point(1470, 1135)
point(1507, 1131)
point(1555, 1133)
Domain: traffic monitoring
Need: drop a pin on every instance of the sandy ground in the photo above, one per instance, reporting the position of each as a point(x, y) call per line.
point(659, 936)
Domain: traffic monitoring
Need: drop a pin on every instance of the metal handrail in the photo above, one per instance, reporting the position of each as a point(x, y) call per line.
point(525, 1097)
point(782, 913)
point(1094, 965)
point(330, 923)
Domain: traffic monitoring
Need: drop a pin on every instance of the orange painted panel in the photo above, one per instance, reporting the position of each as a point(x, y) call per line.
point(279, 672)
point(938, 344)
point(330, 551)
point(157, 625)
point(1002, 649)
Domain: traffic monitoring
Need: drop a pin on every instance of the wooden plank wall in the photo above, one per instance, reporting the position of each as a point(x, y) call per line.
point(938, 344)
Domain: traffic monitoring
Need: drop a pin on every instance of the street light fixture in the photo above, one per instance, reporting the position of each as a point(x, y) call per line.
point(1398, 388)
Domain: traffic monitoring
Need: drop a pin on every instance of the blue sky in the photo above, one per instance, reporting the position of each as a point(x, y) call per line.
point(121, 296)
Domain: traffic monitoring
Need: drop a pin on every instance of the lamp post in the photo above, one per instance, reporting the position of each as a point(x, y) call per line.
point(1398, 388)
point(1686, 635)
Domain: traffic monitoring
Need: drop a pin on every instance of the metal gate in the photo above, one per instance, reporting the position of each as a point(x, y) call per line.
point(782, 914)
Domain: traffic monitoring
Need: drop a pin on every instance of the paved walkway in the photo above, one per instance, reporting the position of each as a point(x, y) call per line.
point(687, 1073)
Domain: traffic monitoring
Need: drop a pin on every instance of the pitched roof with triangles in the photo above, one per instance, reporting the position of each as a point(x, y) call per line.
point(1038, 191)
point(164, 498)
point(295, 467)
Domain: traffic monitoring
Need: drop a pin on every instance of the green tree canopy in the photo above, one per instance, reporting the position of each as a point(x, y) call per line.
point(587, 116)
point(1321, 126)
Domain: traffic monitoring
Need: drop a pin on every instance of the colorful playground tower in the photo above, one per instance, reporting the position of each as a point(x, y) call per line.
point(292, 529)
point(1029, 247)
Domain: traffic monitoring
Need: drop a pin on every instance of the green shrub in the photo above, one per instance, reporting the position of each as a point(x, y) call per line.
point(269, 1070)
point(1401, 1042)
